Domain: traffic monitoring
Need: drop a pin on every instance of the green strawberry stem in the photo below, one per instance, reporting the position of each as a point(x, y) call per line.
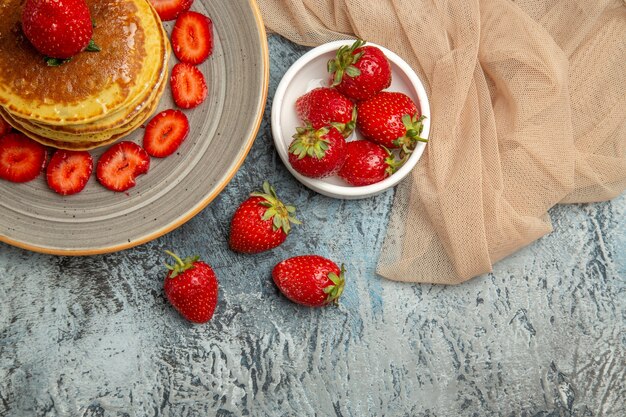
point(346, 129)
point(335, 290)
point(92, 47)
point(309, 142)
point(181, 265)
point(279, 213)
point(55, 62)
point(344, 61)
point(394, 164)
point(414, 128)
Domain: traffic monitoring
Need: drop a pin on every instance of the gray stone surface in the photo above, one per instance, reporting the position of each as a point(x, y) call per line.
point(543, 335)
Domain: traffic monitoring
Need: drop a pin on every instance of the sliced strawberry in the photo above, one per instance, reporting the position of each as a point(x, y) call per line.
point(69, 171)
point(192, 38)
point(4, 127)
point(170, 9)
point(21, 159)
point(188, 86)
point(121, 164)
point(165, 132)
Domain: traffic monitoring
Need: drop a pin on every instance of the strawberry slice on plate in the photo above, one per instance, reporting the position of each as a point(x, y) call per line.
point(21, 158)
point(69, 171)
point(4, 127)
point(170, 9)
point(188, 86)
point(165, 132)
point(192, 38)
point(119, 166)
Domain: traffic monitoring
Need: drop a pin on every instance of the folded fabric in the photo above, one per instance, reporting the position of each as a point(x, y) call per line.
point(528, 102)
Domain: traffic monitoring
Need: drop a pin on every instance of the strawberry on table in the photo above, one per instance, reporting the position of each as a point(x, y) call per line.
point(58, 28)
point(189, 88)
point(324, 106)
point(5, 127)
point(192, 38)
point(360, 71)
point(391, 119)
point(309, 280)
point(191, 287)
point(165, 132)
point(317, 153)
point(68, 171)
point(21, 158)
point(170, 9)
point(261, 223)
point(367, 163)
point(119, 166)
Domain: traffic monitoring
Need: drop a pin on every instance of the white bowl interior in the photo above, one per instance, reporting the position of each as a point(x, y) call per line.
point(310, 72)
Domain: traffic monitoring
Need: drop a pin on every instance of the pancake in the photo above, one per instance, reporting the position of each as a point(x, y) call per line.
point(94, 131)
point(89, 142)
point(93, 85)
point(120, 117)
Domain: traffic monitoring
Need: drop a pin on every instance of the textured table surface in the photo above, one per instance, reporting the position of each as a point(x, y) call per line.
point(543, 335)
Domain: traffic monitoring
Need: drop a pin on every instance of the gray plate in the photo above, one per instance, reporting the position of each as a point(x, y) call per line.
point(176, 188)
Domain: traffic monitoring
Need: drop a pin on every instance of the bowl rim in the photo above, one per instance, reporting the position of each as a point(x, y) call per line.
point(348, 191)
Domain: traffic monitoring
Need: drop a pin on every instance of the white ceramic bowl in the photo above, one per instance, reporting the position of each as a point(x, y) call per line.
point(310, 72)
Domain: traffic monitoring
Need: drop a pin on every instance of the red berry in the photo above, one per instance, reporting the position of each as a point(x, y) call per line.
point(359, 72)
point(322, 106)
point(57, 28)
point(260, 223)
point(309, 280)
point(119, 166)
point(69, 171)
point(21, 158)
point(191, 287)
point(317, 153)
point(165, 132)
point(188, 86)
point(391, 119)
point(192, 37)
point(170, 9)
point(367, 163)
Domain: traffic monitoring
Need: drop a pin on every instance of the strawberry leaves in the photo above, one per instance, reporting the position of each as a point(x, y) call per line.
point(335, 290)
point(181, 265)
point(279, 213)
point(344, 61)
point(414, 128)
point(309, 142)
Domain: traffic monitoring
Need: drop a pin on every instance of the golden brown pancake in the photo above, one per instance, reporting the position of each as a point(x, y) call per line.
point(93, 84)
point(118, 118)
point(89, 142)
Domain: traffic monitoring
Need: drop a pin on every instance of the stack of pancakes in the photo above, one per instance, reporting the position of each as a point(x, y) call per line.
point(96, 97)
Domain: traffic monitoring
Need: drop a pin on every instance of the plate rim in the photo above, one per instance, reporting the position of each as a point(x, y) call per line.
point(202, 204)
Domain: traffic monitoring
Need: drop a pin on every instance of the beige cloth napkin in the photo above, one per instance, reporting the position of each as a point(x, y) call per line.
point(528, 102)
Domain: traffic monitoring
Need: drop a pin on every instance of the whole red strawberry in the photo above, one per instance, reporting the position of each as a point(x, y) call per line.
point(325, 106)
point(359, 72)
point(58, 28)
point(391, 119)
point(191, 287)
point(317, 153)
point(367, 163)
point(260, 223)
point(310, 280)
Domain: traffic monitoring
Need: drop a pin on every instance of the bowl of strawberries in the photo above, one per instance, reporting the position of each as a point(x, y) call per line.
point(350, 119)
